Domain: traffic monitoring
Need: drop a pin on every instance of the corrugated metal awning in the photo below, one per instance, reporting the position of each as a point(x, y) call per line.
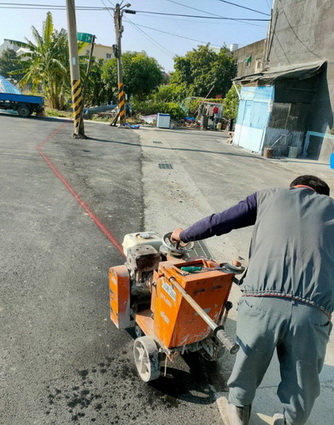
point(298, 72)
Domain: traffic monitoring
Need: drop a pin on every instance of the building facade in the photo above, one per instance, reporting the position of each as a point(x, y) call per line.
point(8, 45)
point(249, 59)
point(100, 51)
point(298, 67)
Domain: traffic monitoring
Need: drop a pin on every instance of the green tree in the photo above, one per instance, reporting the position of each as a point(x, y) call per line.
point(141, 74)
point(168, 93)
point(10, 62)
point(96, 90)
point(231, 103)
point(47, 63)
point(191, 105)
point(202, 72)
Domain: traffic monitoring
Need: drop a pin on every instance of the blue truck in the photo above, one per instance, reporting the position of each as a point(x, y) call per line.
point(25, 105)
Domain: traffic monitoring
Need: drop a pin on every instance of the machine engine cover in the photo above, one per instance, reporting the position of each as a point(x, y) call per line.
point(141, 238)
point(142, 258)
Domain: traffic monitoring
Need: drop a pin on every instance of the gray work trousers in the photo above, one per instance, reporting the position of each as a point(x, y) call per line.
point(299, 332)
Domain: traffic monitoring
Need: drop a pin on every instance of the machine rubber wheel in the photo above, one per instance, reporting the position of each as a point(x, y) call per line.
point(24, 111)
point(146, 352)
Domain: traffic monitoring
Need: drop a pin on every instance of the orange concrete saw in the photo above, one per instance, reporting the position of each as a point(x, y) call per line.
point(174, 296)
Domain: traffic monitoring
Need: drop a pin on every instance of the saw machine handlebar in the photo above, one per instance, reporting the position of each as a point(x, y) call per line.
point(178, 247)
point(226, 340)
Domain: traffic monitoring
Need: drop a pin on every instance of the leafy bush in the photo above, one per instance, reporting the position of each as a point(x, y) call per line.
point(231, 103)
point(168, 93)
point(190, 105)
point(141, 74)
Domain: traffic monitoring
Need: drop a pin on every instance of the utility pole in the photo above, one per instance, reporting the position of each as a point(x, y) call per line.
point(118, 14)
point(88, 71)
point(77, 101)
point(118, 51)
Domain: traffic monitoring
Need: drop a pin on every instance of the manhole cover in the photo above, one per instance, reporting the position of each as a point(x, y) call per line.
point(166, 166)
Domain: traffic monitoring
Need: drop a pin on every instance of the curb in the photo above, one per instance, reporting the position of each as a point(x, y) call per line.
point(256, 418)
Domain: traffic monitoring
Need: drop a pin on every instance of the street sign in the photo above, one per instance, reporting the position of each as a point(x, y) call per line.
point(86, 38)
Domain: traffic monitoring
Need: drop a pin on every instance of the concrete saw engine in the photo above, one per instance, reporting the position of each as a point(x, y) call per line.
point(175, 297)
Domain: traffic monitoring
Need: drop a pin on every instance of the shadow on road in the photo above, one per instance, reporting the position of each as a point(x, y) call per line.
point(34, 118)
point(191, 386)
point(178, 149)
point(188, 380)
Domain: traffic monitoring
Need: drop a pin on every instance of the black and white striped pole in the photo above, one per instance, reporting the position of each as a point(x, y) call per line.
point(77, 100)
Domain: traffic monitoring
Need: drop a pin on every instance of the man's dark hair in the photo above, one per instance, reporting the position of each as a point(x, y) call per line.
point(314, 182)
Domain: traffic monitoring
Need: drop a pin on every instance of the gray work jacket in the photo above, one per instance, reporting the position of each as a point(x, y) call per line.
point(292, 247)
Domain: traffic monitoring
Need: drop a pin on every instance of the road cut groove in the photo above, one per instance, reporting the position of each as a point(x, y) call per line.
point(106, 232)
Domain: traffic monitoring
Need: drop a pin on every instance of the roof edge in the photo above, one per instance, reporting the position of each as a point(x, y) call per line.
point(297, 71)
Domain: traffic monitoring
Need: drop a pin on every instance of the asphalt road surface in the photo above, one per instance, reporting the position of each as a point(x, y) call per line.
point(65, 205)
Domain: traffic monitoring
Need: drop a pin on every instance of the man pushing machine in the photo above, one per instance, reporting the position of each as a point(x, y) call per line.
point(287, 293)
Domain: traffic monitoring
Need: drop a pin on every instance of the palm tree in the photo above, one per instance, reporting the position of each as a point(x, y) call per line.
point(47, 63)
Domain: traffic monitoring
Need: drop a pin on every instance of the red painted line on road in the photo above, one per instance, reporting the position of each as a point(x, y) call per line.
point(50, 136)
point(106, 232)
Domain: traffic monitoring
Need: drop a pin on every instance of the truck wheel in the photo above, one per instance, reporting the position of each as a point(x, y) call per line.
point(24, 111)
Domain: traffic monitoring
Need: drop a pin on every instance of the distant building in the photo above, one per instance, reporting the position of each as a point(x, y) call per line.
point(100, 51)
point(287, 105)
point(21, 53)
point(8, 45)
point(18, 50)
point(249, 59)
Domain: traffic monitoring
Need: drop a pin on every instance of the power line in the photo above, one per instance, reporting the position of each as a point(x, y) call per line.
point(109, 2)
point(169, 53)
point(199, 10)
point(162, 48)
point(193, 8)
point(244, 7)
point(164, 32)
point(34, 6)
point(176, 35)
point(201, 17)
point(297, 36)
point(107, 8)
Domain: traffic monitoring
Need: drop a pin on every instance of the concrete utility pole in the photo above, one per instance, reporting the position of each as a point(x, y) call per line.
point(88, 71)
point(118, 14)
point(77, 103)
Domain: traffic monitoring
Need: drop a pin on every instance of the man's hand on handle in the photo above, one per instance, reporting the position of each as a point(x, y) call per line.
point(175, 236)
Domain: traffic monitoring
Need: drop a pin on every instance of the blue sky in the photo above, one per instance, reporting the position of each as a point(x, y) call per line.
point(161, 37)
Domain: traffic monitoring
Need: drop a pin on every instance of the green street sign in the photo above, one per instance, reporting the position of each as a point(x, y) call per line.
point(86, 38)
